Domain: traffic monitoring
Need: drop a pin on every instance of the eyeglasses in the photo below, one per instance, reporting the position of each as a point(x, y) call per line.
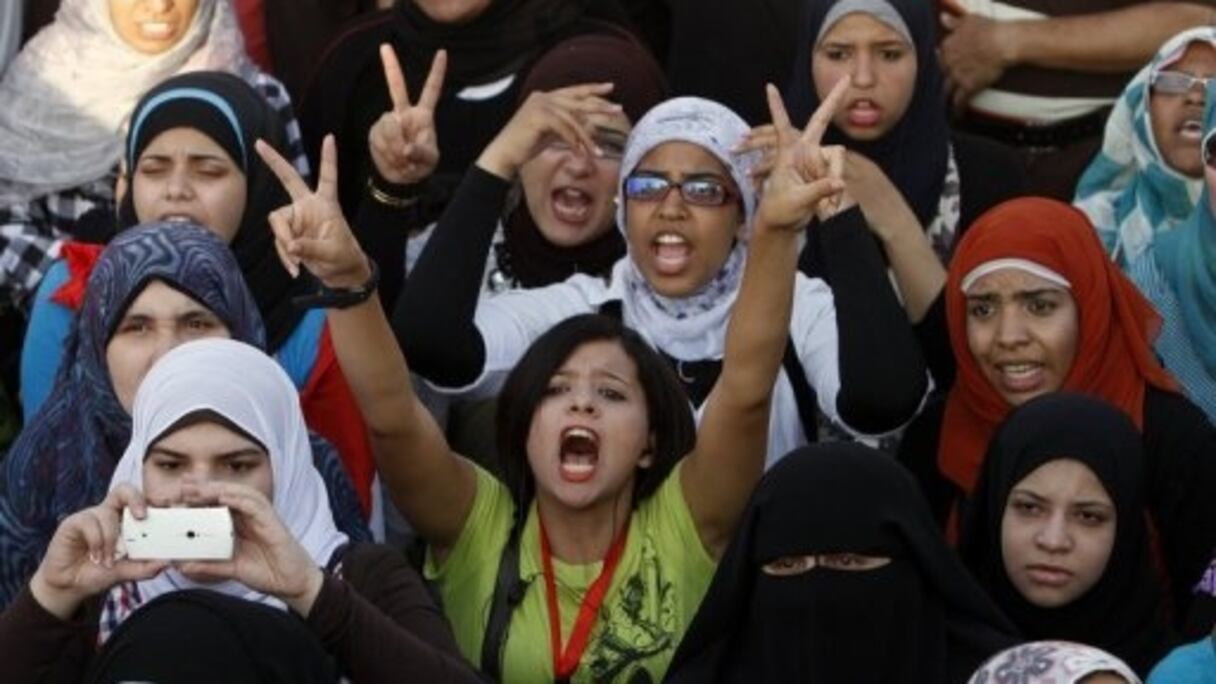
point(1178, 83)
point(700, 192)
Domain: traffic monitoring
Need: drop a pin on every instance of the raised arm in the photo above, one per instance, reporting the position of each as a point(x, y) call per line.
point(404, 151)
point(429, 483)
point(918, 272)
point(720, 473)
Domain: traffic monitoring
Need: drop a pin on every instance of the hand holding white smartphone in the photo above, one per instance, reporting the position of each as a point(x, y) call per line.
point(178, 534)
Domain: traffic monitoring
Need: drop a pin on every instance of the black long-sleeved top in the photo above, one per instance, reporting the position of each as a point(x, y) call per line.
point(378, 621)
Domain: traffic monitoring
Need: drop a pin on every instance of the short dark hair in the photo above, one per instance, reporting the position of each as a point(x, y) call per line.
point(667, 409)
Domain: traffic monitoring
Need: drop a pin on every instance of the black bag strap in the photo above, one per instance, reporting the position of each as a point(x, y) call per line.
point(804, 395)
point(509, 592)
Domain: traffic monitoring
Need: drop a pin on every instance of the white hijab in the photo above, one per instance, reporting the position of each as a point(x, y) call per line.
point(249, 388)
point(690, 328)
point(68, 93)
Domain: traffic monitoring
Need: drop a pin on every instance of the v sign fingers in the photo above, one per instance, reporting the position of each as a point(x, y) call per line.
point(312, 231)
point(398, 91)
point(822, 118)
point(283, 170)
point(403, 144)
point(433, 87)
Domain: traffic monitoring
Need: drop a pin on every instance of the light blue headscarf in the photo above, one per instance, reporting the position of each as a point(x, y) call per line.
point(1129, 192)
point(1186, 256)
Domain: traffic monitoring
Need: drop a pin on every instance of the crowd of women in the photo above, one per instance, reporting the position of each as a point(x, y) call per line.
point(515, 355)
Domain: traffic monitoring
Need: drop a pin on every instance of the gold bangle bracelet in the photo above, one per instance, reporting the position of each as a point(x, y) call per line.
point(390, 200)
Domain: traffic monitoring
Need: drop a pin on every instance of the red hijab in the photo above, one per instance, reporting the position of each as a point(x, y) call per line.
point(1117, 325)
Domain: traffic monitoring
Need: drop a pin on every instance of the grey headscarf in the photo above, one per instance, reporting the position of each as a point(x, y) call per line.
point(692, 327)
point(879, 9)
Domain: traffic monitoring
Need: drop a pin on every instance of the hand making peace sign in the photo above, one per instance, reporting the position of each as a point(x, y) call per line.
point(806, 178)
point(402, 142)
point(311, 231)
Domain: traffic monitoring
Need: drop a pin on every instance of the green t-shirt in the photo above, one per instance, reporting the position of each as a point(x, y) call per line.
point(660, 581)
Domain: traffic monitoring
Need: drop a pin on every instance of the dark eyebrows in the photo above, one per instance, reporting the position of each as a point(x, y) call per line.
point(612, 376)
point(223, 456)
point(1035, 294)
point(1021, 295)
point(611, 133)
point(1029, 494)
point(1094, 505)
point(166, 451)
point(238, 453)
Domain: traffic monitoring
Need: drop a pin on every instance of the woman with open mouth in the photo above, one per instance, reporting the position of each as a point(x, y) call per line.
point(588, 561)
point(686, 209)
point(1149, 174)
point(906, 169)
point(1033, 306)
point(68, 96)
point(1056, 530)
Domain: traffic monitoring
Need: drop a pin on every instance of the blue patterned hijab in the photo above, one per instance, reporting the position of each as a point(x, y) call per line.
point(1186, 256)
point(64, 458)
point(1128, 191)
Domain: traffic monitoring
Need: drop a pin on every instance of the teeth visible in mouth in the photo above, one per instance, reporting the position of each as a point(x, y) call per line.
point(156, 29)
point(670, 239)
point(572, 205)
point(1019, 368)
point(581, 433)
point(177, 218)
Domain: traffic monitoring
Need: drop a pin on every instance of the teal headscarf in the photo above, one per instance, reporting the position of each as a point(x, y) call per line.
point(1186, 256)
point(1129, 192)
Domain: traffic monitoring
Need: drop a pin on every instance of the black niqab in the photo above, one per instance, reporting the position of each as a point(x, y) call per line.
point(919, 618)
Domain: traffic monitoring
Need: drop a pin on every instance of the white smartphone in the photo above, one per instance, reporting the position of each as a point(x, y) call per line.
point(178, 534)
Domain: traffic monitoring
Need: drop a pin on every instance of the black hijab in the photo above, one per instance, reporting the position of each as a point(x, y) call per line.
point(920, 618)
point(913, 153)
point(495, 43)
point(1119, 614)
point(209, 102)
point(607, 55)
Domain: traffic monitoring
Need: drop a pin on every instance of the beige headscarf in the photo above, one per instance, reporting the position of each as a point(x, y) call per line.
point(68, 94)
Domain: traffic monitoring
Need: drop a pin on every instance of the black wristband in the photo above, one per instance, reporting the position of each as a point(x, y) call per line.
point(331, 298)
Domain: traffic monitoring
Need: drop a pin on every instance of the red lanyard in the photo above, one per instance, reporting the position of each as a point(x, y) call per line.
point(565, 662)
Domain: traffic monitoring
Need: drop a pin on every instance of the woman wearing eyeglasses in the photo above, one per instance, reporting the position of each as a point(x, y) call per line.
point(685, 212)
point(1148, 175)
point(1147, 185)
